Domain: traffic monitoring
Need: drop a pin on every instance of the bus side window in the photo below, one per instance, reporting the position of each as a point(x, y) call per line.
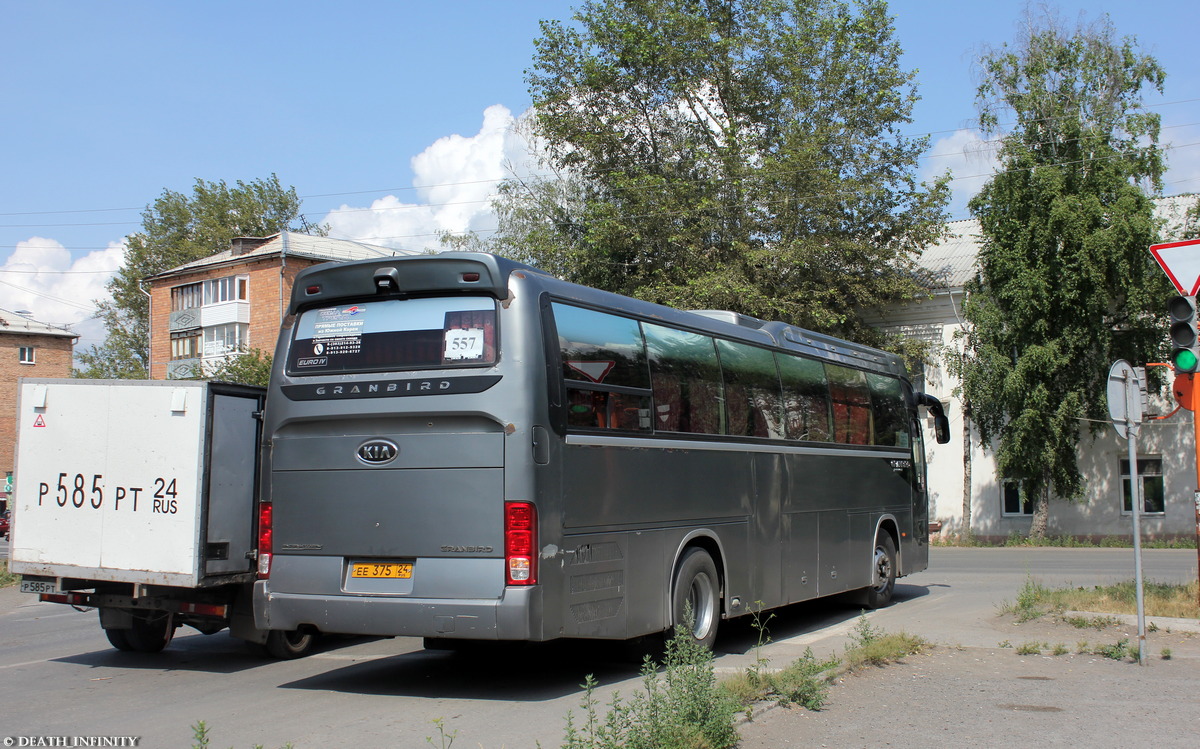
point(805, 398)
point(753, 400)
point(851, 405)
point(688, 361)
point(890, 415)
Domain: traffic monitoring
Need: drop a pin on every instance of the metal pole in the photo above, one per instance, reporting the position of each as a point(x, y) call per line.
point(1196, 495)
point(1135, 498)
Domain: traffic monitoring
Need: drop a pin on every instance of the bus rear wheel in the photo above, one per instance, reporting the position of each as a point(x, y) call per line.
point(287, 645)
point(883, 572)
point(696, 600)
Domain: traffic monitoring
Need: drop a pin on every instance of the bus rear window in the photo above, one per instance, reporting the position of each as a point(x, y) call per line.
point(394, 334)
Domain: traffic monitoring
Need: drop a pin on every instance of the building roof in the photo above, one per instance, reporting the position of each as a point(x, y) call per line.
point(11, 322)
point(950, 263)
point(289, 244)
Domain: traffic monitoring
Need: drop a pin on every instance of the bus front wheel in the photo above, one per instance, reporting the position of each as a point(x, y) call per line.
point(883, 572)
point(696, 601)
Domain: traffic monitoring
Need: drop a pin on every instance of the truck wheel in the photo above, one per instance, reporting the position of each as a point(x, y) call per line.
point(290, 644)
point(149, 634)
point(118, 639)
point(883, 573)
point(697, 594)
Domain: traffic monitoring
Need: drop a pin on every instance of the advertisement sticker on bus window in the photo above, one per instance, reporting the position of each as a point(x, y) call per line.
point(463, 344)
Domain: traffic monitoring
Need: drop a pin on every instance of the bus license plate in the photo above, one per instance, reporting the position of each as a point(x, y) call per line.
point(382, 570)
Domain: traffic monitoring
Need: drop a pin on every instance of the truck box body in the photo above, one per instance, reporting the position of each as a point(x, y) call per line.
point(150, 483)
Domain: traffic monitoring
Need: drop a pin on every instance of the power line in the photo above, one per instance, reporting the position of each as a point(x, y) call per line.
point(410, 188)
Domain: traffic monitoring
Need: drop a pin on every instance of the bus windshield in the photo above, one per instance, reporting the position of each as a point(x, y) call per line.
point(394, 334)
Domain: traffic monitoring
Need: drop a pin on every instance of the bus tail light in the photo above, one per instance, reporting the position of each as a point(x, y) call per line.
point(264, 540)
point(520, 543)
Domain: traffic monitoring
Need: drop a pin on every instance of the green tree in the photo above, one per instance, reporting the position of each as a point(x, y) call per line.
point(1066, 284)
point(177, 229)
point(249, 367)
point(733, 154)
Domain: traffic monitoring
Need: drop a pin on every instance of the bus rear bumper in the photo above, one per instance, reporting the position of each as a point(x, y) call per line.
point(508, 618)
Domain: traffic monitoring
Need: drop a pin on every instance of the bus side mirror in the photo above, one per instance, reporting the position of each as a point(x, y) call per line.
point(941, 428)
point(941, 424)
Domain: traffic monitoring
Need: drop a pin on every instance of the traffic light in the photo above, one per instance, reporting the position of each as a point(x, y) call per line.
point(1185, 352)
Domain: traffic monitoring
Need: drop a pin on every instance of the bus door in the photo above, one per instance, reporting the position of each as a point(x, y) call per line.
point(918, 552)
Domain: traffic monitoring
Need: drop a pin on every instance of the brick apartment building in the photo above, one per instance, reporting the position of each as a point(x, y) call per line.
point(208, 310)
point(28, 348)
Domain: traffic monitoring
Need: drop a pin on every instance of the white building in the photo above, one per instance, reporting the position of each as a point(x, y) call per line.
point(1166, 449)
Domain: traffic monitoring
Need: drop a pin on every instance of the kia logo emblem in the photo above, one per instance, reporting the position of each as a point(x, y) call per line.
point(377, 452)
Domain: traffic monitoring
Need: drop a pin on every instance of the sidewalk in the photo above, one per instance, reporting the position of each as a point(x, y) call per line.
point(972, 696)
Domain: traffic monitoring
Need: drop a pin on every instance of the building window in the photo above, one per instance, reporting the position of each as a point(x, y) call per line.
point(189, 296)
point(1015, 498)
point(1150, 478)
point(185, 345)
point(26, 355)
point(225, 339)
point(228, 289)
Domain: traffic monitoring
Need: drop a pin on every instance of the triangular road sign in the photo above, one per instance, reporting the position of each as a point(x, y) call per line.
point(1181, 261)
point(595, 371)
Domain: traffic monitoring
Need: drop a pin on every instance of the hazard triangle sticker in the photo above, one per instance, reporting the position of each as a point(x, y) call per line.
point(39, 421)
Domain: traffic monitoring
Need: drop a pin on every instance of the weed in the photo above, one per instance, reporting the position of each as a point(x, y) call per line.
point(1165, 654)
point(201, 739)
point(7, 578)
point(1090, 622)
point(1081, 647)
point(755, 672)
point(884, 649)
point(1118, 651)
point(1004, 644)
point(864, 634)
point(681, 708)
point(1028, 606)
point(445, 741)
point(1030, 648)
point(1061, 649)
point(801, 683)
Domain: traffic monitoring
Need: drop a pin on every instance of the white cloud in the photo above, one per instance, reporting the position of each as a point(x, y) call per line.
point(971, 160)
point(42, 276)
point(454, 179)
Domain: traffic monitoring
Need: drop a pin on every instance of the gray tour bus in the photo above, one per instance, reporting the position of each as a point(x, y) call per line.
point(459, 446)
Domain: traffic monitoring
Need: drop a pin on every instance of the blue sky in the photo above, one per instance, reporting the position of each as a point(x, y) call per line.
point(391, 119)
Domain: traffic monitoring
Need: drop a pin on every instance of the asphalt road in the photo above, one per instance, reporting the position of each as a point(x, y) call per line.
point(60, 677)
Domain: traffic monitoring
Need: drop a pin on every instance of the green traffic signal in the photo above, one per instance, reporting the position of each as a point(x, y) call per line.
point(1185, 360)
point(1185, 337)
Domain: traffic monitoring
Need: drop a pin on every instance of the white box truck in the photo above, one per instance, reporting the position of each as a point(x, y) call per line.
point(138, 498)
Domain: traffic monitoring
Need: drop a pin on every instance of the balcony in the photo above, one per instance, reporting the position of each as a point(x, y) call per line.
point(184, 319)
point(182, 369)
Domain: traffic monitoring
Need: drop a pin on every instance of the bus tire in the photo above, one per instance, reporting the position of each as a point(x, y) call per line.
point(290, 644)
point(883, 572)
point(118, 639)
point(149, 633)
point(696, 594)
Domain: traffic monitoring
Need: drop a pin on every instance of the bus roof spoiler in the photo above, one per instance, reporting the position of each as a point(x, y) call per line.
point(941, 424)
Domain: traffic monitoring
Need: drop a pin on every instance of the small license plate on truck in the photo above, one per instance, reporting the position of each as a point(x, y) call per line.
point(38, 586)
point(382, 570)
